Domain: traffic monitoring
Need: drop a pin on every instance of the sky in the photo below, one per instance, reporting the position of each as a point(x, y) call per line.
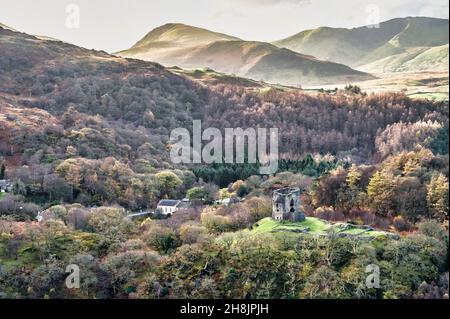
point(114, 25)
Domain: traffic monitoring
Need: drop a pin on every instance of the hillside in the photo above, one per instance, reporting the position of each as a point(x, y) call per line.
point(114, 105)
point(209, 77)
point(138, 103)
point(434, 59)
point(172, 41)
point(363, 45)
point(190, 47)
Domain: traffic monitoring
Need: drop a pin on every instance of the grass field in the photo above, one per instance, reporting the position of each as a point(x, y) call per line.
point(416, 85)
point(311, 226)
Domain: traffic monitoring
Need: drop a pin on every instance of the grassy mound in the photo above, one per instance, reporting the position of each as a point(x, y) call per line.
point(312, 226)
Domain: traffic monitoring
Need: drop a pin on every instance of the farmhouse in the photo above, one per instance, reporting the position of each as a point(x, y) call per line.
point(168, 206)
point(286, 205)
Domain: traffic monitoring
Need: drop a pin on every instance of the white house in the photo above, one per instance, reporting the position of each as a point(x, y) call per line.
point(168, 206)
point(223, 202)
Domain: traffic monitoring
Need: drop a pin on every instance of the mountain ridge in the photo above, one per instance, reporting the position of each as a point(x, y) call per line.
point(181, 33)
point(363, 45)
point(191, 47)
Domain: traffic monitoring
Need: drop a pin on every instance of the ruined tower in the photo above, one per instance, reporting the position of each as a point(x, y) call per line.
point(286, 205)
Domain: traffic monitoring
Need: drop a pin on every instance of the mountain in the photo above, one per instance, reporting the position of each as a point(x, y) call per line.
point(97, 105)
point(360, 46)
point(104, 105)
point(172, 40)
point(191, 47)
point(182, 35)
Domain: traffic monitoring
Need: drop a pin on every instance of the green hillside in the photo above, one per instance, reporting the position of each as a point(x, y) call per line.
point(211, 78)
point(413, 60)
point(363, 45)
point(313, 226)
point(282, 66)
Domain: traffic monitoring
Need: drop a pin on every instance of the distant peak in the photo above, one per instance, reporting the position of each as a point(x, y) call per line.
point(168, 26)
point(183, 34)
point(175, 24)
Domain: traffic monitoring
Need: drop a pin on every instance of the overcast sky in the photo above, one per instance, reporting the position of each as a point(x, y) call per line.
point(113, 25)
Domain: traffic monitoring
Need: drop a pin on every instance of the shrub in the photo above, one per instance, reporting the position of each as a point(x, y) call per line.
point(401, 224)
point(59, 211)
point(161, 238)
point(15, 206)
point(259, 208)
point(191, 233)
point(216, 223)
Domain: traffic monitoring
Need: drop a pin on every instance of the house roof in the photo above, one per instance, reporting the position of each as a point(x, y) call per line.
point(4, 182)
point(169, 202)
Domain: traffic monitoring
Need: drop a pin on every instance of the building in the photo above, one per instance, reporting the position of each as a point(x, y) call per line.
point(5, 185)
point(223, 202)
point(286, 205)
point(168, 206)
point(229, 201)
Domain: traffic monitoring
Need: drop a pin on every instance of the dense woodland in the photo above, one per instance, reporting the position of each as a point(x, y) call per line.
point(85, 140)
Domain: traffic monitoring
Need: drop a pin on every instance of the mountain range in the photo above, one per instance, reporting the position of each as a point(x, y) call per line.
point(191, 47)
point(60, 101)
point(402, 44)
point(319, 56)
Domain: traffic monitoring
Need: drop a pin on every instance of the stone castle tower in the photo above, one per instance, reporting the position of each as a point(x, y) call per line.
point(286, 205)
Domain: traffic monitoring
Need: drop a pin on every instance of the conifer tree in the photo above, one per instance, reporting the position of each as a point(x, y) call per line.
point(381, 192)
point(437, 197)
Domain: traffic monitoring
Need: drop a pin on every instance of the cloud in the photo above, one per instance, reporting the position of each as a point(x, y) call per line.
point(240, 8)
point(434, 8)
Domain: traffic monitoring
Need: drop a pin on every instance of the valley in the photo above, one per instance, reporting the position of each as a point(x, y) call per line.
point(417, 85)
point(87, 176)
